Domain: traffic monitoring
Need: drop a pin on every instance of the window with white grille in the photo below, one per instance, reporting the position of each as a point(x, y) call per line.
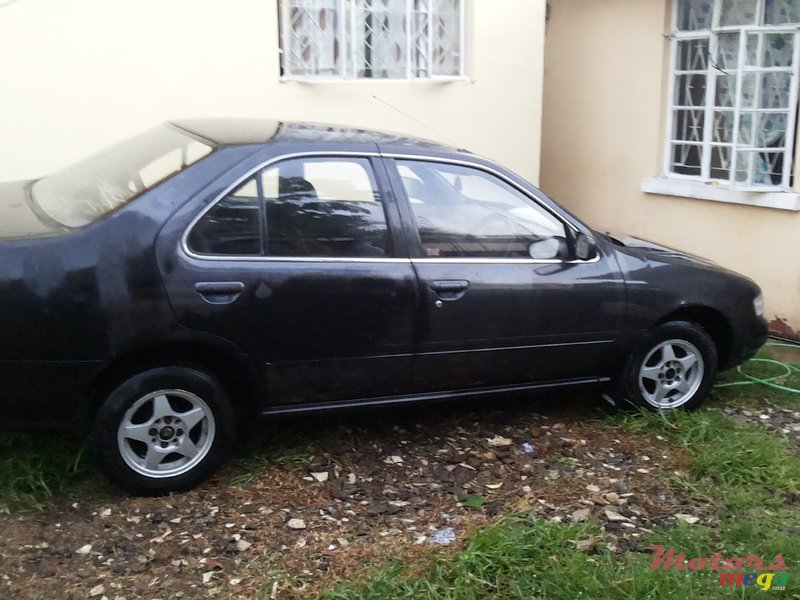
point(734, 92)
point(372, 39)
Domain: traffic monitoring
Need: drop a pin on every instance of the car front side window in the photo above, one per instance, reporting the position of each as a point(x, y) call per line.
point(463, 212)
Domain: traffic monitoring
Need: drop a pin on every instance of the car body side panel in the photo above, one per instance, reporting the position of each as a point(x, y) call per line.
point(662, 281)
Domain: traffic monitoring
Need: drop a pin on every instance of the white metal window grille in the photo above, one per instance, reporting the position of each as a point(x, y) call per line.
point(734, 92)
point(372, 39)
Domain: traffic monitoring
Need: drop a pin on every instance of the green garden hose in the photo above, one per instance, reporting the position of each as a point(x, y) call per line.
point(788, 371)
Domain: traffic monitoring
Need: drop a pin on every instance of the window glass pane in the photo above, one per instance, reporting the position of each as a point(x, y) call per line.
point(686, 159)
point(777, 50)
point(694, 14)
point(693, 55)
point(744, 167)
point(737, 12)
point(379, 38)
point(314, 47)
point(728, 50)
point(768, 168)
point(746, 123)
point(721, 162)
point(775, 89)
point(726, 91)
point(689, 125)
point(690, 90)
point(324, 207)
point(446, 34)
point(752, 49)
point(771, 129)
point(723, 127)
point(465, 212)
point(232, 227)
point(779, 12)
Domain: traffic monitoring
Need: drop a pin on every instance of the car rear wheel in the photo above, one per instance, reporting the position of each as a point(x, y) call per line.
point(673, 368)
point(163, 430)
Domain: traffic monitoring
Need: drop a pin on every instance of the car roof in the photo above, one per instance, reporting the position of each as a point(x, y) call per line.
point(232, 131)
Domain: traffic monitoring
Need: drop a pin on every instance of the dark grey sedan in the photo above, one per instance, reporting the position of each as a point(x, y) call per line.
point(208, 272)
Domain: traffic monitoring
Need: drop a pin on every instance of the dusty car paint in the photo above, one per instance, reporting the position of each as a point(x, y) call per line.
point(80, 304)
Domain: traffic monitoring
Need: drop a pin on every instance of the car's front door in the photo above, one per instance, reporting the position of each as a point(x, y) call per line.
point(300, 266)
point(503, 300)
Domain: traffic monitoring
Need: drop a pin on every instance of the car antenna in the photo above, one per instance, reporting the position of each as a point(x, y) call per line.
point(413, 118)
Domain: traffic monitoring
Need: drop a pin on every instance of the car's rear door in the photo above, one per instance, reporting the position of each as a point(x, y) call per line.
point(300, 264)
point(503, 301)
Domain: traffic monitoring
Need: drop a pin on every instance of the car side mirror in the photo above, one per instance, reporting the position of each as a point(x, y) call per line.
point(585, 246)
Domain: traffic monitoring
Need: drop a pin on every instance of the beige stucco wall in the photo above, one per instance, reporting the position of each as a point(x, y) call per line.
point(78, 75)
point(603, 130)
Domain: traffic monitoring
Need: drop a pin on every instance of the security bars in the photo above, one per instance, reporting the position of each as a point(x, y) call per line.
point(734, 92)
point(372, 39)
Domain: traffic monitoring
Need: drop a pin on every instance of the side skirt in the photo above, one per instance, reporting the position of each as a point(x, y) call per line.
point(432, 397)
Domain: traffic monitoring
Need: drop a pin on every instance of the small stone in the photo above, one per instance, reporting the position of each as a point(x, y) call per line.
point(105, 513)
point(84, 550)
point(581, 515)
point(587, 546)
point(236, 581)
point(321, 476)
point(494, 486)
point(296, 524)
point(393, 460)
point(688, 519)
point(613, 516)
point(499, 441)
point(207, 576)
point(593, 488)
point(612, 497)
point(242, 545)
point(97, 590)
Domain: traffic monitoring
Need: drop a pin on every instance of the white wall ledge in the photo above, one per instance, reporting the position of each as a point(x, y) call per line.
point(720, 193)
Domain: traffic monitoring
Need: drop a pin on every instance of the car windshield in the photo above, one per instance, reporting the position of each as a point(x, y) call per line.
point(102, 183)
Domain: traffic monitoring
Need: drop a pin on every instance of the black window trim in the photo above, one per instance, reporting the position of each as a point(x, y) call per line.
point(395, 229)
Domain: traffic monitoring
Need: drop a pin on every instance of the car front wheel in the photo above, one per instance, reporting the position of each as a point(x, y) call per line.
point(163, 430)
point(674, 367)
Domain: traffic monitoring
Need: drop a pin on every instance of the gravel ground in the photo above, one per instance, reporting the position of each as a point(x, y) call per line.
point(366, 487)
point(783, 421)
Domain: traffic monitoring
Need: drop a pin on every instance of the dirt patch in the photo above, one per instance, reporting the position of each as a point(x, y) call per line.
point(370, 486)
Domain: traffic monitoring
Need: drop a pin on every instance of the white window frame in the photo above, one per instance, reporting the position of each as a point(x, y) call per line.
point(346, 34)
point(706, 144)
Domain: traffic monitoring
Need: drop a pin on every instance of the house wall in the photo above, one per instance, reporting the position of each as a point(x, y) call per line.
point(606, 76)
point(79, 75)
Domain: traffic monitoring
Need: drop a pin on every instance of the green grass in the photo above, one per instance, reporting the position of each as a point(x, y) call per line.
point(35, 467)
point(746, 473)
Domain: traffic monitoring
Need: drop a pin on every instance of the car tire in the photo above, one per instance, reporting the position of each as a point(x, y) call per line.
point(163, 430)
point(673, 368)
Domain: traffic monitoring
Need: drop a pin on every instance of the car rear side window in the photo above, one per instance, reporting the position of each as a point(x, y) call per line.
point(327, 207)
point(466, 212)
point(233, 225)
